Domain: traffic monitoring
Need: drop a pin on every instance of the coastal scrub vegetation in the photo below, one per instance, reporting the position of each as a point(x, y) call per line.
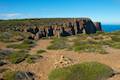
point(13, 36)
point(83, 71)
point(17, 57)
point(58, 43)
point(88, 42)
point(18, 75)
point(41, 51)
point(33, 58)
point(26, 44)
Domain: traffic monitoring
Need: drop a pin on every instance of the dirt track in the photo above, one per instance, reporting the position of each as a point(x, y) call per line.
point(45, 65)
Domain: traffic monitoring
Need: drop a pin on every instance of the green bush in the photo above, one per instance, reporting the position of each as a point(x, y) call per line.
point(4, 54)
point(116, 38)
point(12, 36)
point(112, 44)
point(9, 75)
point(18, 75)
point(41, 51)
point(33, 58)
point(17, 57)
point(26, 44)
point(58, 43)
point(88, 46)
point(115, 45)
point(83, 71)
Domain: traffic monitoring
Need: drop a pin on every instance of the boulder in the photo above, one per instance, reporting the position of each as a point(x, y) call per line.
point(2, 63)
point(24, 76)
point(5, 53)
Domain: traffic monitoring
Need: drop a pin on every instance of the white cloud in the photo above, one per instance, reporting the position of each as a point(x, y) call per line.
point(10, 15)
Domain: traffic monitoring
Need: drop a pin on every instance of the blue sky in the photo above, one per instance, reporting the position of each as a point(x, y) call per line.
point(106, 11)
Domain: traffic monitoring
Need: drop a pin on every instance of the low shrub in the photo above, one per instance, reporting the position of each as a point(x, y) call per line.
point(41, 51)
point(115, 45)
point(26, 44)
point(18, 75)
point(116, 38)
point(33, 58)
point(88, 46)
point(4, 54)
point(112, 44)
point(13, 36)
point(17, 57)
point(9, 75)
point(58, 43)
point(83, 71)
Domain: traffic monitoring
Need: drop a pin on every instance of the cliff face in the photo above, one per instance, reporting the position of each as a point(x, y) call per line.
point(98, 26)
point(54, 26)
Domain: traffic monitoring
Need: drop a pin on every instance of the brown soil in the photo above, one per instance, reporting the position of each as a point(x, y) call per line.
point(2, 45)
point(43, 67)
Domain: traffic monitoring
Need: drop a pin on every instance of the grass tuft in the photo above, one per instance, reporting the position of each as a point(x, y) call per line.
point(58, 43)
point(83, 71)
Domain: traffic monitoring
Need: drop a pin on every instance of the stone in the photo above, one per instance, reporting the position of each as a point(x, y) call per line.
point(24, 76)
point(63, 62)
point(5, 53)
point(2, 63)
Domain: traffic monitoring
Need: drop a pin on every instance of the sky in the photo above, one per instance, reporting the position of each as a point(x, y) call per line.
point(105, 11)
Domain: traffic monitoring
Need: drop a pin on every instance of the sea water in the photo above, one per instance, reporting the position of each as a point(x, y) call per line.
point(110, 28)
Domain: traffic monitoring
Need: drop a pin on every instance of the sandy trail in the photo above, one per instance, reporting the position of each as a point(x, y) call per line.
point(41, 44)
point(43, 67)
point(2, 45)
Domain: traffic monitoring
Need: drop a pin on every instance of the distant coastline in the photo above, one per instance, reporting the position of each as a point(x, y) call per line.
point(110, 27)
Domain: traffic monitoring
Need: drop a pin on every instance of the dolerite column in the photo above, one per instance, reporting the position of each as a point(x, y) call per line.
point(36, 30)
point(98, 26)
point(72, 28)
point(44, 32)
point(50, 31)
point(89, 27)
point(78, 27)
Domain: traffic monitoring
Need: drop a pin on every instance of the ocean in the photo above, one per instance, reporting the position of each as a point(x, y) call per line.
point(110, 28)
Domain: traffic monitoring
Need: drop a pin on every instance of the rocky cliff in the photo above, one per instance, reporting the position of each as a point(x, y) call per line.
point(52, 26)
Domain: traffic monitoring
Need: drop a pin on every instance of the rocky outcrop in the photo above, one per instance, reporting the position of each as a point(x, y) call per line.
point(71, 27)
point(48, 27)
point(63, 62)
point(98, 26)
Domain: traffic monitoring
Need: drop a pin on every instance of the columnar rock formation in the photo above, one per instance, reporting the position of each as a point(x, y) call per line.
point(98, 26)
point(71, 27)
point(52, 26)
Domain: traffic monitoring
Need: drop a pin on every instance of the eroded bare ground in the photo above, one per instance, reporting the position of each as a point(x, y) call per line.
point(43, 67)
